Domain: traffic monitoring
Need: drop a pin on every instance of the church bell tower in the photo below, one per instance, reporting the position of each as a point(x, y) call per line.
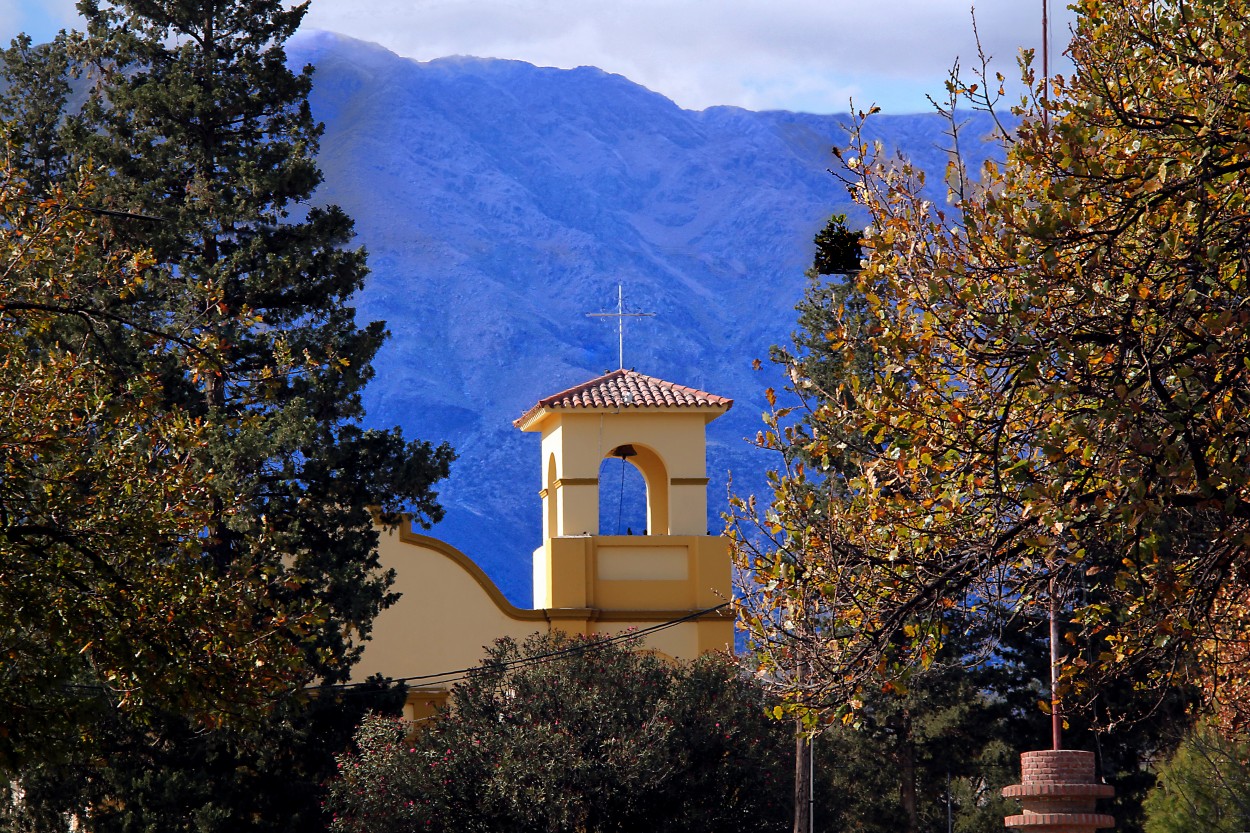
point(582, 577)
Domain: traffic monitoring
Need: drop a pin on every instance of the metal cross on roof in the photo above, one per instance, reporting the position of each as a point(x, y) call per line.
point(620, 315)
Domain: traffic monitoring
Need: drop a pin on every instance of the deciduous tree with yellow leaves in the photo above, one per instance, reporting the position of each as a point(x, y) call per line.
point(182, 343)
point(1060, 387)
point(105, 594)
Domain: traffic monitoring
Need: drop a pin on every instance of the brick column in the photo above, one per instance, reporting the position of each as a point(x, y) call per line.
point(1059, 793)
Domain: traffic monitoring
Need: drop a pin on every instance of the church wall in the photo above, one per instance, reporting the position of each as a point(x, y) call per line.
point(673, 578)
point(633, 572)
point(585, 439)
point(448, 611)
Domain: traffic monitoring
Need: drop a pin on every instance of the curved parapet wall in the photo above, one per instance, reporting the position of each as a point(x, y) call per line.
point(449, 610)
point(447, 613)
point(1059, 793)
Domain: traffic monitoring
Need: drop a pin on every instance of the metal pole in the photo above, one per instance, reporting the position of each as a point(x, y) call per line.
point(811, 785)
point(620, 325)
point(1046, 63)
point(802, 791)
point(1046, 39)
point(802, 770)
point(1056, 721)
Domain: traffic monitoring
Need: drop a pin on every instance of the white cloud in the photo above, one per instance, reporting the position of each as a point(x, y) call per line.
point(794, 54)
point(805, 54)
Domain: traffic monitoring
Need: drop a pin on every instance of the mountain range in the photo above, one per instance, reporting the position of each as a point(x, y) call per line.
point(501, 202)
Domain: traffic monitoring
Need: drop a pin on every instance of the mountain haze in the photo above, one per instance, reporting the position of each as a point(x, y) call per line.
point(500, 202)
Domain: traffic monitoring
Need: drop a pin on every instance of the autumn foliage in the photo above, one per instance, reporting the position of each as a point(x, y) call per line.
point(1060, 386)
point(105, 594)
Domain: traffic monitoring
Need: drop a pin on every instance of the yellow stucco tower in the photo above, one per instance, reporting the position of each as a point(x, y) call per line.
point(583, 578)
point(584, 582)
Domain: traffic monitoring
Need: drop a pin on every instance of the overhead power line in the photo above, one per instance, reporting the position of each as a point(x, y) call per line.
point(461, 674)
point(108, 212)
point(125, 215)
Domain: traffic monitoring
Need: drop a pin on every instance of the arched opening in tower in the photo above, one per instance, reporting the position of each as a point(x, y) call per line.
point(622, 498)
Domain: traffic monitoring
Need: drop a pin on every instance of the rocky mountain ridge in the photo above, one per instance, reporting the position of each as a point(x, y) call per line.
point(501, 202)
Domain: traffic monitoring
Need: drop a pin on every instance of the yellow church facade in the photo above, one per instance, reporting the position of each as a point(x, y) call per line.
point(584, 582)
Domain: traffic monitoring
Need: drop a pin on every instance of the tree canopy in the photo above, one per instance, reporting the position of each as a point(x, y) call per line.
point(1058, 390)
point(189, 497)
point(101, 499)
point(175, 777)
point(1204, 786)
point(578, 734)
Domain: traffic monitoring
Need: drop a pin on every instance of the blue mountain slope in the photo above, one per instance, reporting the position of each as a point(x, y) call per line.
point(501, 202)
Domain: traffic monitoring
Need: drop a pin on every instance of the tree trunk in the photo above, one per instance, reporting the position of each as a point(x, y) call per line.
point(802, 784)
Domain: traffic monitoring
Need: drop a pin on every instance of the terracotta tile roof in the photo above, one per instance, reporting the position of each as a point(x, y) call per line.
point(626, 389)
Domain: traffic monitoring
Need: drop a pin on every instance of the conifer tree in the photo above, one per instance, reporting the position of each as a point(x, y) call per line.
point(1204, 787)
point(203, 128)
point(33, 98)
point(831, 297)
point(202, 145)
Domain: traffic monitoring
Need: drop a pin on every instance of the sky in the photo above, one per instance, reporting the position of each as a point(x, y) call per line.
point(806, 55)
